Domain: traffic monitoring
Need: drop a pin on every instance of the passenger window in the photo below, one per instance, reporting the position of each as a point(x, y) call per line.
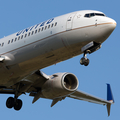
point(48, 26)
point(18, 37)
point(9, 42)
point(32, 32)
point(39, 30)
point(42, 29)
point(56, 24)
point(22, 37)
point(45, 27)
point(29, 34)
point(2, 44)
point(35, 31)
point(15, 39)
point(52, 25)
point(25, 35)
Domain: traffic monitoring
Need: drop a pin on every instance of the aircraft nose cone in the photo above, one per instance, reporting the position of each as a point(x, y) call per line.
point(113, 24)
point(109, 24)
point(107, 27)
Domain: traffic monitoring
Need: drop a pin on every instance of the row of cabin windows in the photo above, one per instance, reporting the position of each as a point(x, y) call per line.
point(31, 33)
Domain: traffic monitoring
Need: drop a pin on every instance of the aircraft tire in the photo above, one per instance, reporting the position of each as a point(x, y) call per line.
point(82, 61)
point(18, 104)
point(86, 63)
point(10, 102)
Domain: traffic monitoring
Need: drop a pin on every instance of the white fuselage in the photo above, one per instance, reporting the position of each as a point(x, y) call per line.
point(50, 42)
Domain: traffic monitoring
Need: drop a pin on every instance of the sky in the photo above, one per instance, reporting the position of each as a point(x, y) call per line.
point(104, 66)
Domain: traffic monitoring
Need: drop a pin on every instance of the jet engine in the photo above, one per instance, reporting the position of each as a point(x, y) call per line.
point(60, 85)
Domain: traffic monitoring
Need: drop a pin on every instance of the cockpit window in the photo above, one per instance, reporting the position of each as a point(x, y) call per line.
point(87, 15)
point(90, 15)
point(99, 14)
point(94, 14)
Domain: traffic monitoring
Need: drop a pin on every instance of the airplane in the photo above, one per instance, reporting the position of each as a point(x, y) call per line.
point(24, 53)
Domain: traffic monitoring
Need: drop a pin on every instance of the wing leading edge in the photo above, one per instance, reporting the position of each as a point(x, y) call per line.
point(90, 98)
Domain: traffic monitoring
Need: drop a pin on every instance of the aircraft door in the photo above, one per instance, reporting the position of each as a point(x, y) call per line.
point(70, 21)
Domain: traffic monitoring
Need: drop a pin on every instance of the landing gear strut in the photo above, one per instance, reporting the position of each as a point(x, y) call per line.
point(11, 102)
point(89, 48)
point(14, 102)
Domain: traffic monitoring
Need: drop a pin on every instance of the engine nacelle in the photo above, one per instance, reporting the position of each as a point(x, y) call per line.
point(60, 85)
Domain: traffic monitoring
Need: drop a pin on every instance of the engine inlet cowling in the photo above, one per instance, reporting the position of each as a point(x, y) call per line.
point(70, 82)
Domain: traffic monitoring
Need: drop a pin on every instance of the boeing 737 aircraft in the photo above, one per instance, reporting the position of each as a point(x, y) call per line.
point(25, 53)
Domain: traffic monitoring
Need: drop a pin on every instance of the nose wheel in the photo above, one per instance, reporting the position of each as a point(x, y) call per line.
point(84, 60)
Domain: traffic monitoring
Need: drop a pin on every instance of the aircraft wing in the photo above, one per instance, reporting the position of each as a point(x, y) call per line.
point(32, 82)
point(87, 97)
point(90, 98)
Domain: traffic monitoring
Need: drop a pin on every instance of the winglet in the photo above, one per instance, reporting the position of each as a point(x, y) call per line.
point(108, 109)
point(109, 94)
point(109, 98)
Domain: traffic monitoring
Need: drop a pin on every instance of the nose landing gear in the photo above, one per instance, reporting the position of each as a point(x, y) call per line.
point(89, 48)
